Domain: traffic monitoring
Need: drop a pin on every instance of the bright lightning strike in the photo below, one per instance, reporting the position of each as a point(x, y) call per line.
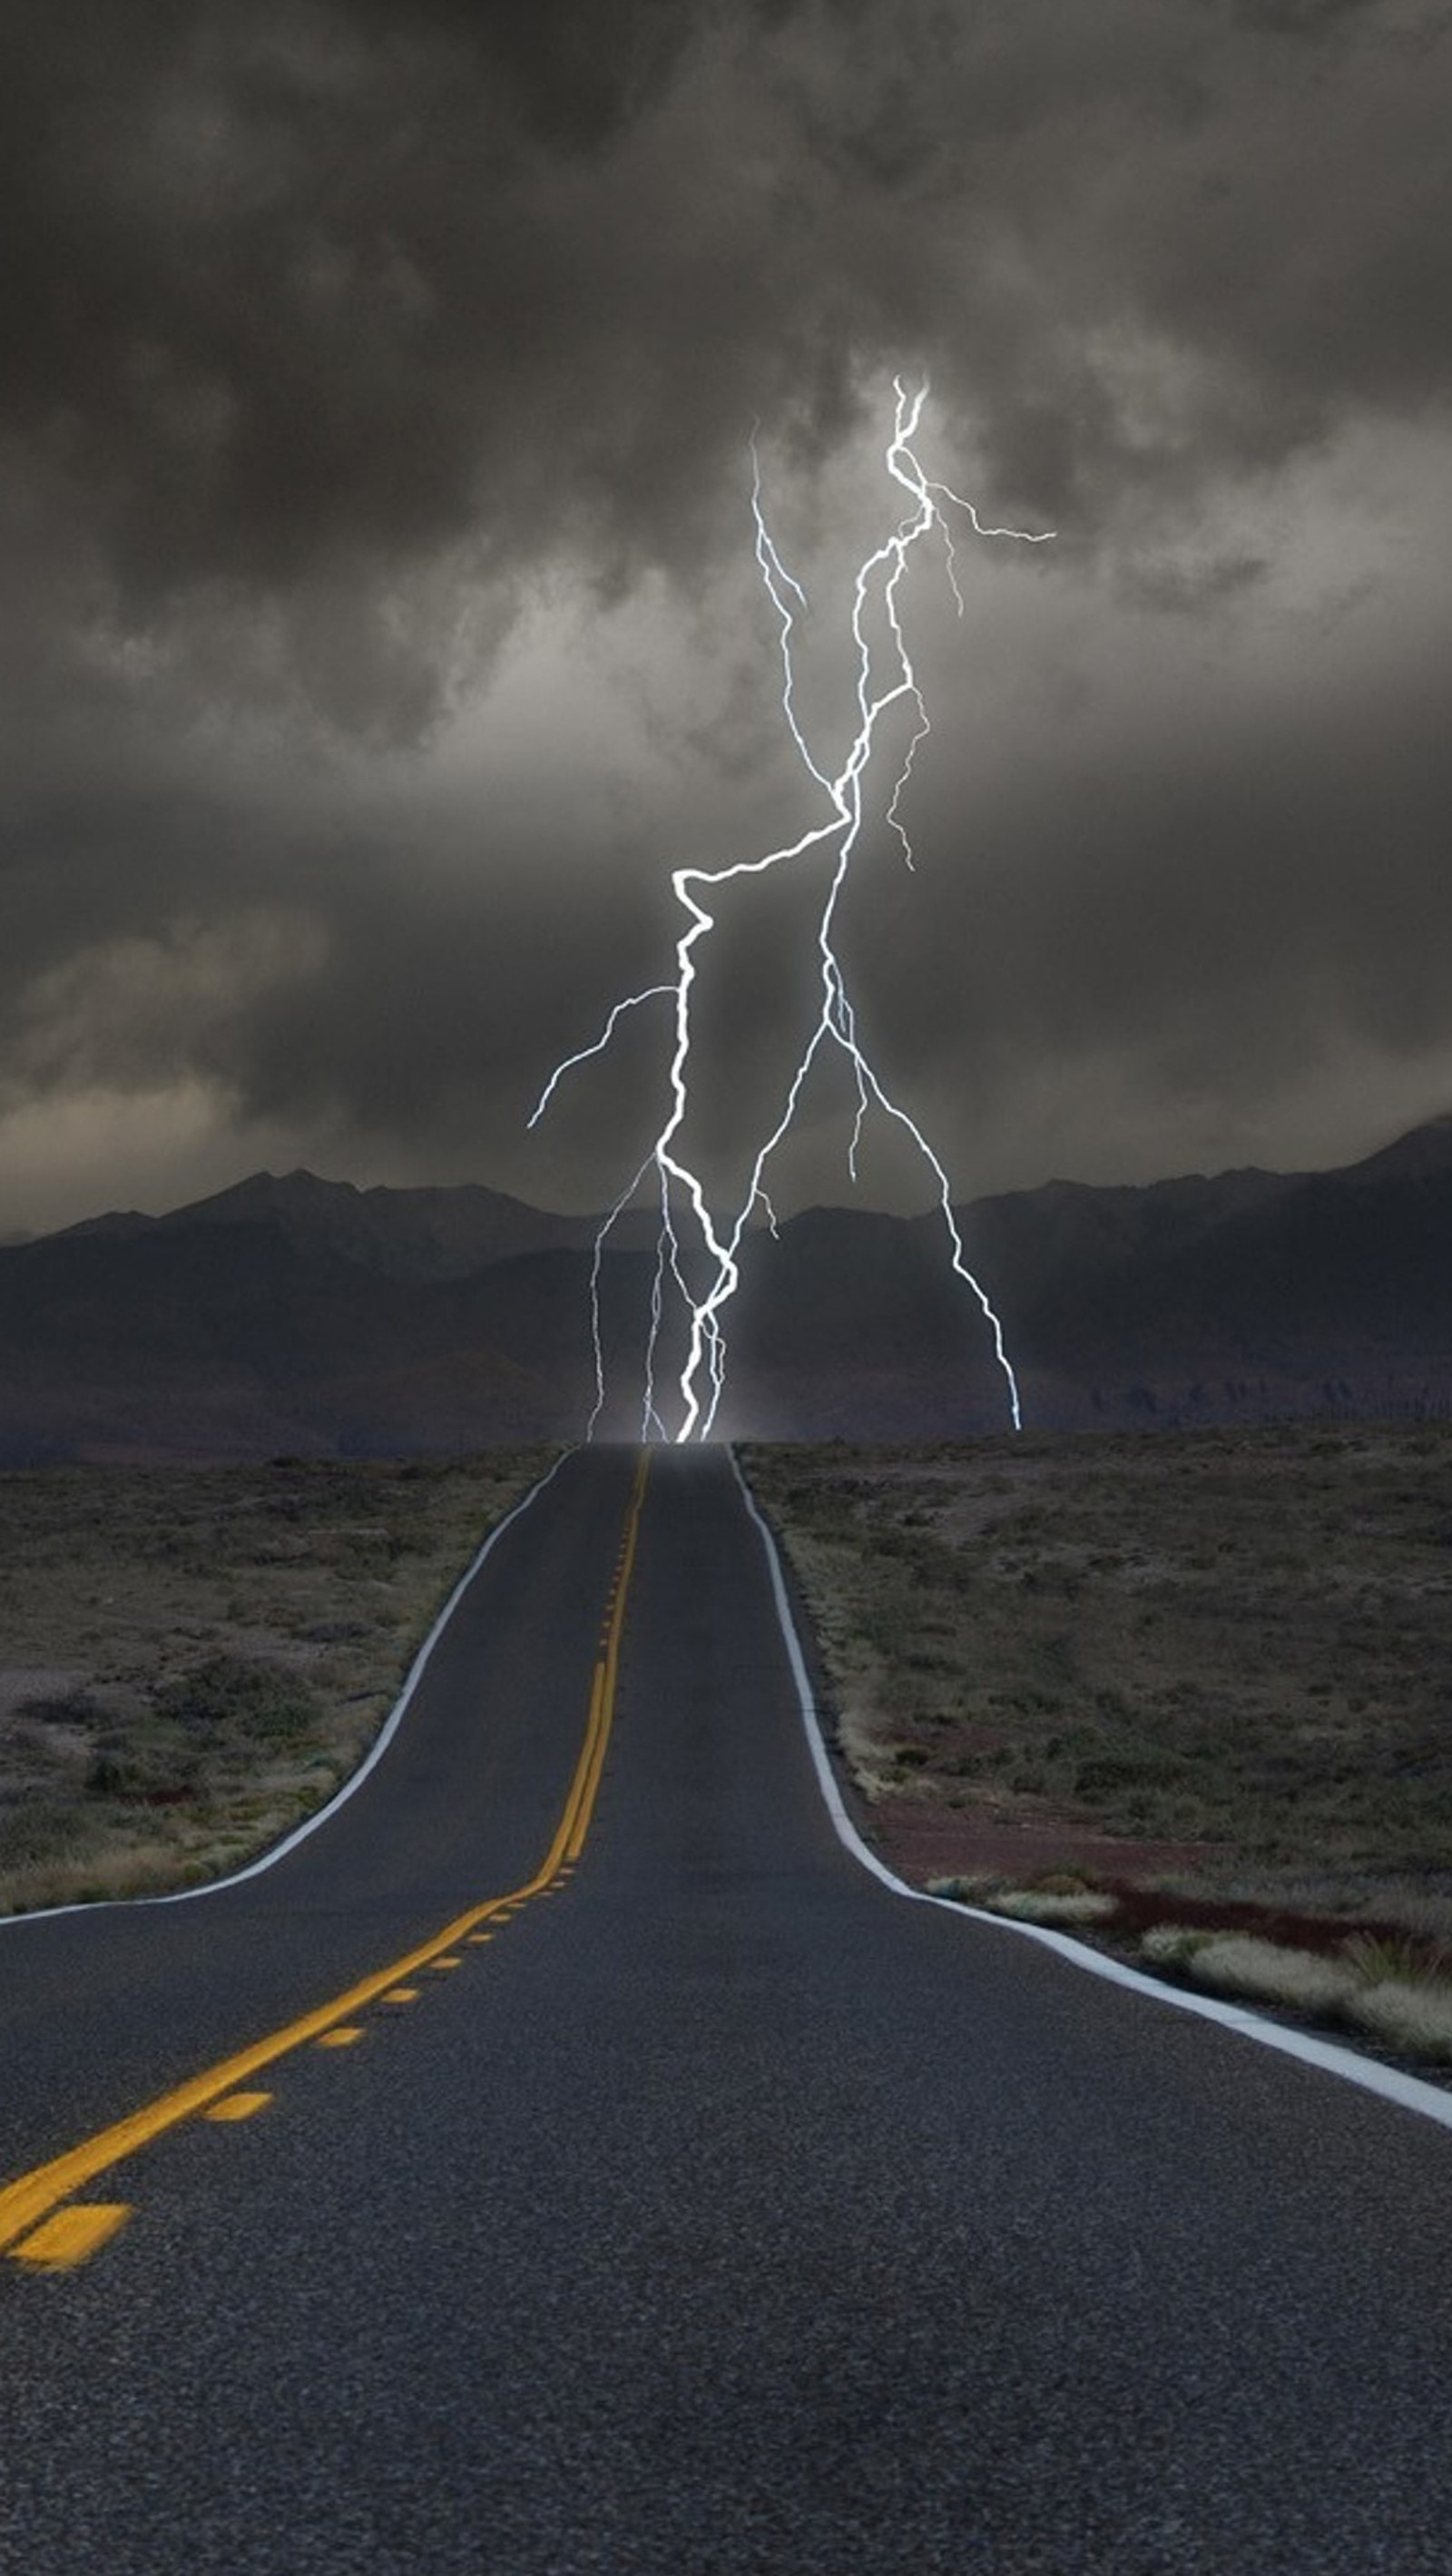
point(715, 1246)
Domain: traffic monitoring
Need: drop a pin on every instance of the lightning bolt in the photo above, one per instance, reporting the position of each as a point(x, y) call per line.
point(885, 679)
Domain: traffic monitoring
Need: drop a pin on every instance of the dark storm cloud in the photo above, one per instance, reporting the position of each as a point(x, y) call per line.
point(330, 332)
point(294, 289)
point(298, 288)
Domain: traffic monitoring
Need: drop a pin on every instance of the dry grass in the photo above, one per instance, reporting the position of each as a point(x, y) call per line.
point(1266, 1972)
point(1240, 1640)
point(1415, 2020)
point(1403, 2001)
point(1048, 1905)
point(1395, 1992)
point(193, 1659)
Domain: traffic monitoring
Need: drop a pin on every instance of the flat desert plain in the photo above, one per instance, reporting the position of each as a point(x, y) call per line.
point(192, 1659)
point(1190, 1693)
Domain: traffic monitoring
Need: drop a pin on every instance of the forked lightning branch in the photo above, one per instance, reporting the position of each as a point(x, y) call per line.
point(697, 1251)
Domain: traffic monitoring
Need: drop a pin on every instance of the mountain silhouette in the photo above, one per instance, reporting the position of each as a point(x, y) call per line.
point(304, 1315)
point(400, 1234)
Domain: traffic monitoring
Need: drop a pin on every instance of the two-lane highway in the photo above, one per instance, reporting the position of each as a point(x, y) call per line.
point(708, 2209)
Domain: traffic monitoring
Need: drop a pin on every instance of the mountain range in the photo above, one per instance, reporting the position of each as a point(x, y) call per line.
point(305, 1316)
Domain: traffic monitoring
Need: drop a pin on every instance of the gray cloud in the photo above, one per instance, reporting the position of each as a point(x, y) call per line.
point(349, 346)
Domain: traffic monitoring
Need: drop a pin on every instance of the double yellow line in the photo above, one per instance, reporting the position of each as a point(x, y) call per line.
point(574, 1824)
point(31, 2198)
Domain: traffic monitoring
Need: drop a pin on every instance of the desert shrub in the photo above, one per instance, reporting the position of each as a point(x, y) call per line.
point(1380, 1959)
point(144, 1765)
point(1145, 1766)
point(241, 1696)
point(32, 1827)
point(61, 1708)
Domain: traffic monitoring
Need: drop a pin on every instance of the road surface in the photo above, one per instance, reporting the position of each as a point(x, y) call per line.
point(717, 2213)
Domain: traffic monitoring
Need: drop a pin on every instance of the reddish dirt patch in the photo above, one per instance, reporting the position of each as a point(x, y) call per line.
point(922, 1842)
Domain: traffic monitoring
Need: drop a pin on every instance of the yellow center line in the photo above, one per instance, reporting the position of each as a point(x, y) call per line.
point(607, 1674)
point(27, 2200)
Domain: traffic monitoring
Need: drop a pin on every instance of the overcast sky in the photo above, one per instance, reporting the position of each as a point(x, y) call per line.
point(380, 624)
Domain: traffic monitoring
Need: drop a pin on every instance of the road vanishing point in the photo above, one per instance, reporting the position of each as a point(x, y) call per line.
point(569, 2160)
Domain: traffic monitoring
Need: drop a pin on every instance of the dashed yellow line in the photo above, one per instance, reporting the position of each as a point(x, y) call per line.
point(33, 2226)
point(237, 2106)
point(71, 2234)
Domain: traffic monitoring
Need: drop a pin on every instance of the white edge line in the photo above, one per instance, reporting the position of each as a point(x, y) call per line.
point(1407, 2090)
point(355, 1779)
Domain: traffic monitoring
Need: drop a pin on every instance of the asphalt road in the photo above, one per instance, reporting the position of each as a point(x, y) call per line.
point(719, 2213)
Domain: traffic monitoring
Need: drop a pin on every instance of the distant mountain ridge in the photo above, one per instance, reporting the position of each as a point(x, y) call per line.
point(399, 1233)
point(295, 1313)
